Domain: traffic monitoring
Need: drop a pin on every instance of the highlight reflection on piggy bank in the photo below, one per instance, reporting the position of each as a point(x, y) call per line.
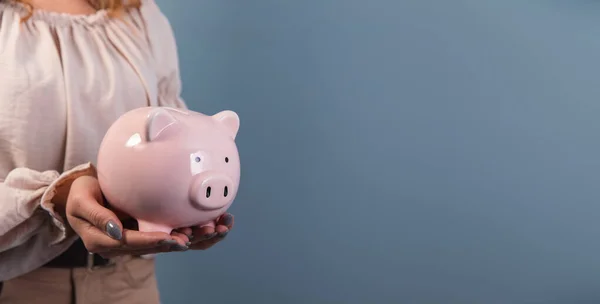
point(170, 168)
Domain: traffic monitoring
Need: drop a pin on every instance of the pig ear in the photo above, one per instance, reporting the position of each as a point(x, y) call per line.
point(158, 120)
point(230, 120)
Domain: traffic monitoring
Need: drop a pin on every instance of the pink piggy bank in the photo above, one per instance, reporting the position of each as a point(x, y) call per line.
point(170, 168)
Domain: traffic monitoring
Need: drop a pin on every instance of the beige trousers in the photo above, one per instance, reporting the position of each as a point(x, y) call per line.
point(129, 280)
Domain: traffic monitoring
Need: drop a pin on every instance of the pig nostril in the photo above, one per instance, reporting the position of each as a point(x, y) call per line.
point(208, 192)
point(226, 191)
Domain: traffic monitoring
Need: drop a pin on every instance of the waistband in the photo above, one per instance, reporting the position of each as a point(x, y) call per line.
point(77, 256)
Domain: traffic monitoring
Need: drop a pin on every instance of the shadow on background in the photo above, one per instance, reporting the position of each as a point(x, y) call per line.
point(399, 151)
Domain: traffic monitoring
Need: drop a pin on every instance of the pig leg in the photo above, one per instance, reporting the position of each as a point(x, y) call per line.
point(150, 227)
point(144, 226)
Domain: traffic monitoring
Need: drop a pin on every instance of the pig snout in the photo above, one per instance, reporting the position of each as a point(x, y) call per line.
point(212, 190)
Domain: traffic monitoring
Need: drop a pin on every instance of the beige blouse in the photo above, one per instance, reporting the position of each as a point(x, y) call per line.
point(63, 80)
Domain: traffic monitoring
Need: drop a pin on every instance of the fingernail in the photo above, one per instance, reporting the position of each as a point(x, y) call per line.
point(113, 230)
point(227, 218)
point(167, 242)
point(179, 247)
point(191, 236)
point(223, 234)
point(188, 243)
point(208, 236)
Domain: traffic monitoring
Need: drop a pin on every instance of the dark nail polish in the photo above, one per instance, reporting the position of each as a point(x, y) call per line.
point(208, 236)
point(179, 247)
point(191, 236)
point(188, 243)
point(167, 242)
point(113, 230)
point(223, 234)
point(227, 218)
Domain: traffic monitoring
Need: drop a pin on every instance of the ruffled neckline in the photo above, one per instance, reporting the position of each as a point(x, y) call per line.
point(57, 18)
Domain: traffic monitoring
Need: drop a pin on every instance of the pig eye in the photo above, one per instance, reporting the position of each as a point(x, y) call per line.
point(197, 159)
point(226, 159)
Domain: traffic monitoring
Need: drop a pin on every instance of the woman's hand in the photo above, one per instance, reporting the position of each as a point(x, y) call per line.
point(203, 238)
point(101, 230)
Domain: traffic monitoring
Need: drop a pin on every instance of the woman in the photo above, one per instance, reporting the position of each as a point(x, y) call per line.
point(68, 69)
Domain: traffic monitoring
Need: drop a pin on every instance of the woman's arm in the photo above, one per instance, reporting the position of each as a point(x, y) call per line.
point(30, 240)
point(32, 229)
point(22, 193)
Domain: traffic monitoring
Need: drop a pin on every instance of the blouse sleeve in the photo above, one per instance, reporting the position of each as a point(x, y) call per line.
point(27, 207)
point(164, 50)
point(29, 223)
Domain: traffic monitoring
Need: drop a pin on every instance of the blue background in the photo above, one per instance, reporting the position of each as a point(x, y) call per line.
point(424, 151)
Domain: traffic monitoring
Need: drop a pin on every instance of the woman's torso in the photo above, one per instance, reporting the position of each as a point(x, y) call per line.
point(65, 79)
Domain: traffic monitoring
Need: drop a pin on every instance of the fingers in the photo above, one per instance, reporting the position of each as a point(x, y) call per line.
point(226, 220)
point(208, 243)
point(187, 231)
point(142, 240)
point(210, 236)
point(97, 241)
point(87, 209)
point(196, 238)
point(182, 239)
point(101, 231)
point(94, 240)
point(223, 224)
point(202, 233)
